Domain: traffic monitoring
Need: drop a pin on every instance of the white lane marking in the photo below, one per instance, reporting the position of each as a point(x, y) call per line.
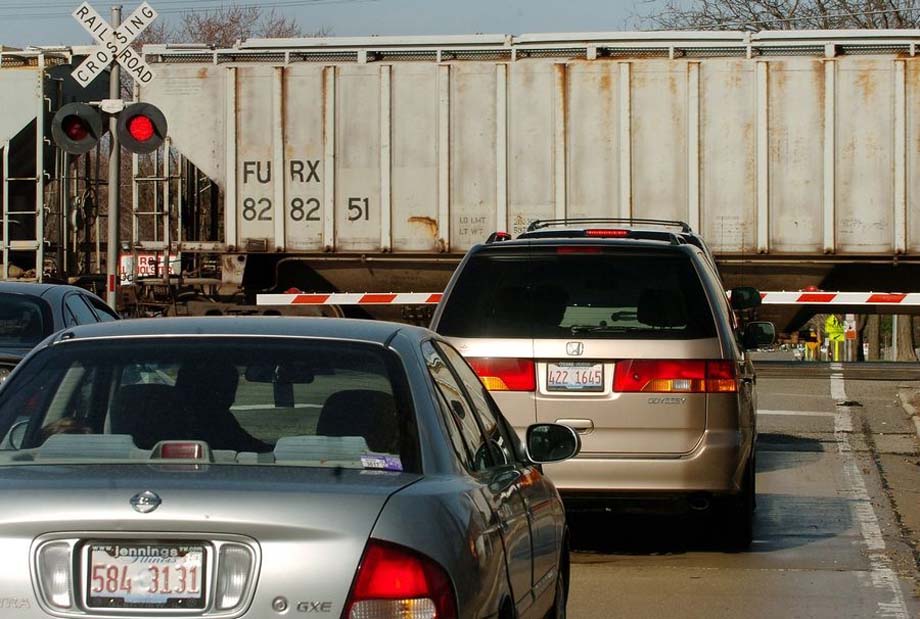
point(773, 413)
point(838, 393)
point(882, 576)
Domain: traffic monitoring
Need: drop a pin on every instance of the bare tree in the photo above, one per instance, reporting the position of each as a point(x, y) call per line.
point(222, 27)
point(781, 14)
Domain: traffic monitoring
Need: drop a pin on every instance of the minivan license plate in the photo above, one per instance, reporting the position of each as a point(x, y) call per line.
point(140, 575)
point(574, 376)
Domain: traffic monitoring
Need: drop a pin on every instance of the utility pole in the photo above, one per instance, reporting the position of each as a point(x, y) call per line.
point(112, 262)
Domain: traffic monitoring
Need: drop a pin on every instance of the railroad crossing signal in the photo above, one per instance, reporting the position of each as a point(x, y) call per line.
point(77, 127)
point(115, 44)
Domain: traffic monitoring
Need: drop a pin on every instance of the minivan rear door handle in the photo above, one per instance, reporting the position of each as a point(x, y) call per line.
point(582, 426)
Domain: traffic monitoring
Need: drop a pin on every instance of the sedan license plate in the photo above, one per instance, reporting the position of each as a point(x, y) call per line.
point(140, 575)
point(575, 376)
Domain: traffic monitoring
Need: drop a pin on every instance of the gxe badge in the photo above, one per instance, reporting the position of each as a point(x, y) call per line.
point(145, 502)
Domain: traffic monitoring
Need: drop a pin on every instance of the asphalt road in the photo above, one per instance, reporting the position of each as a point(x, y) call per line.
point(837, 528)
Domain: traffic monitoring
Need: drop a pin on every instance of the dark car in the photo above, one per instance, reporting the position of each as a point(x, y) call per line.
point(31, 312)
point(257, 467)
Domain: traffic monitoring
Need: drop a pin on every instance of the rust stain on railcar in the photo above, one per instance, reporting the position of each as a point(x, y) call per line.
point(912, 77)
point(561, 70)
point(865, 83)
point(426, 222)
point(327, 109)
point(817, 74)
point(776, 75)
point(606, 82)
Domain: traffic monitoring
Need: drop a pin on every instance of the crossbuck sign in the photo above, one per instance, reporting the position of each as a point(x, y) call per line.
point(115, 44)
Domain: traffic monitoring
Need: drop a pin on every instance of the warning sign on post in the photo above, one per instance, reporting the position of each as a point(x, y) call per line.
point(115, 43)
point(148, 265)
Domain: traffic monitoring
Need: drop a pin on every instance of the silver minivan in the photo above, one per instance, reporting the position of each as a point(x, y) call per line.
point(627, 336)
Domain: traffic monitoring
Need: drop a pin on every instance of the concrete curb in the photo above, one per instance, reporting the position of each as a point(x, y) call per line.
point(904, 394)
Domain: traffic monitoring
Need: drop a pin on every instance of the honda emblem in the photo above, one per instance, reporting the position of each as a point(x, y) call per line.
point(575, 349)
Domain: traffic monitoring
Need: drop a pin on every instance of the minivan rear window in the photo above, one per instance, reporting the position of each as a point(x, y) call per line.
point(589, 292)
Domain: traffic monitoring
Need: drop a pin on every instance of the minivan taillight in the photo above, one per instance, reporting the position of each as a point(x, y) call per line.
point(398, 583)
point(505, 374)
point(675, 376)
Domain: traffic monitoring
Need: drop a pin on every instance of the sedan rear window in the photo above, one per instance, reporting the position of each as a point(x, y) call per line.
point(21, 322)
point(271, 401)
point(584, 291)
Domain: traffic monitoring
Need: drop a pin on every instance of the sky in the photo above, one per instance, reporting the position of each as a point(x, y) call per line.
point(48, 22)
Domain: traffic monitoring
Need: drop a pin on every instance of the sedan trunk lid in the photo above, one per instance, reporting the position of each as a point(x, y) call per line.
point(307, 526)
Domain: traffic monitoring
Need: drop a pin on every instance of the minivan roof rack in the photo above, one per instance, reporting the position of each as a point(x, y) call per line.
point(545, 223)
point(665, 236)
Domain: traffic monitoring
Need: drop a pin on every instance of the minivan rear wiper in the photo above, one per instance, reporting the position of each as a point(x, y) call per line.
point(596, 328)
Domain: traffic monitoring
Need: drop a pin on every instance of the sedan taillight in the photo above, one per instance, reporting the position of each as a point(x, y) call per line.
point(394, 582)
point(499, 374)
point(675, 376)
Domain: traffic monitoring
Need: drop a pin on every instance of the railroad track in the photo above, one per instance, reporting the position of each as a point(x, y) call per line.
point(888, 371)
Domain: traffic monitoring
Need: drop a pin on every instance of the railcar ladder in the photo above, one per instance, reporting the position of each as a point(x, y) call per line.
point(160, 208)
point(34, 245)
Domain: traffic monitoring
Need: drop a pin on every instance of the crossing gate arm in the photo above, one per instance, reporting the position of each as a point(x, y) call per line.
point(351, 298)
point(908, 301)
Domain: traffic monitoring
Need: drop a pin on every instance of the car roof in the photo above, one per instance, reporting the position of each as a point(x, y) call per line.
point(372, 331)
point(39, 289)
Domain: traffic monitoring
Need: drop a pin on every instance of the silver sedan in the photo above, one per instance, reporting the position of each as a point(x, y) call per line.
point(271, 467)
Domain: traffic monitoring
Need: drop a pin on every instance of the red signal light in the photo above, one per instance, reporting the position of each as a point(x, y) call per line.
point(141, 128)
point(74, 128)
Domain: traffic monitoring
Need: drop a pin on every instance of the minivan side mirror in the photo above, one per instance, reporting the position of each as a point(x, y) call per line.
point(745, 297)
point(758, 334)
point(551, 442)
